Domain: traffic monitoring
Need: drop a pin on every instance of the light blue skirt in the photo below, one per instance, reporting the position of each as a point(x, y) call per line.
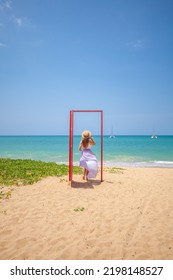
point(88, 160)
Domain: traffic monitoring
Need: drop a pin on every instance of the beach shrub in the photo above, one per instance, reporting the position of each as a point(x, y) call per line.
point(116, 170)
point(24, 172)
point(79, 209)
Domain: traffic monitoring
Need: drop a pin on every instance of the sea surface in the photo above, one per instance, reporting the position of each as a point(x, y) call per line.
point(138, 151)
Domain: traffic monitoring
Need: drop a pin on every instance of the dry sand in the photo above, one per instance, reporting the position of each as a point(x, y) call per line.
point(128, 216)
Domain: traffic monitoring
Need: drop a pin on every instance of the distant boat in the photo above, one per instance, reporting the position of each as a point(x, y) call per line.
point(112, 134)
point(154, 136)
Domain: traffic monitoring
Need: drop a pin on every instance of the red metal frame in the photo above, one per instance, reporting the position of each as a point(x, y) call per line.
point(71, 140)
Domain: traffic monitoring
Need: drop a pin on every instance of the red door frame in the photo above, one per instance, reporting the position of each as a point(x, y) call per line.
point(71, 140)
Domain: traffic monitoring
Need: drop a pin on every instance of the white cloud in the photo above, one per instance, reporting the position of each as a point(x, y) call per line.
point(5, 5)
point(18, 21)
point(7, 9)
point(135, 44)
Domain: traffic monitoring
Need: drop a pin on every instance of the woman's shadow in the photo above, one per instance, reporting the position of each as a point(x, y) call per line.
point(90, 184)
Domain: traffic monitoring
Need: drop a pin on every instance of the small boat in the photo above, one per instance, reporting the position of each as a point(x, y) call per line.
point(154, 136)
point(112, 135)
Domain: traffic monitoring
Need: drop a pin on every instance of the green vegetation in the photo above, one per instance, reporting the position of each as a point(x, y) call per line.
point(79, 209)
point(116, 170)
point(4, 212)
point(5, 194)
point(24, 172)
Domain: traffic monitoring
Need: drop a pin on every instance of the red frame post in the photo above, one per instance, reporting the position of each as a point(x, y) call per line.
point(71, 140)
point(101, 146)
point(71, 146)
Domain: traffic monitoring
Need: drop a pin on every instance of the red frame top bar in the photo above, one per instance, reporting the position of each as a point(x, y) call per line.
point(87, 111)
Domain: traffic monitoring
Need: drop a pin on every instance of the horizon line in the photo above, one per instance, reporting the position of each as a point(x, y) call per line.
point(116, 135)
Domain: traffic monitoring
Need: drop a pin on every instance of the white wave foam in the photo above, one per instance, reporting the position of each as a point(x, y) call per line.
point(131, 164)
point(140, 164)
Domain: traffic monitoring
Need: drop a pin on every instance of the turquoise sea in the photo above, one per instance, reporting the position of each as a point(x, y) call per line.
point(139, 151)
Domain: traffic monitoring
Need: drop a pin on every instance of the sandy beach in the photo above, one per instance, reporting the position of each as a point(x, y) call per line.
point(129, 216)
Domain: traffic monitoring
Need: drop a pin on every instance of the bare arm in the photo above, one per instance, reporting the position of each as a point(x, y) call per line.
point(80, 146)
point(92, 142)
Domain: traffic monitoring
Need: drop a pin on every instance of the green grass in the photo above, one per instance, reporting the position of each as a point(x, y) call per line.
point(116, 170)
point(24, 172)
point(79, 209)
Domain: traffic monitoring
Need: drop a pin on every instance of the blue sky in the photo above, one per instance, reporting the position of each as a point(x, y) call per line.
point(59, 55)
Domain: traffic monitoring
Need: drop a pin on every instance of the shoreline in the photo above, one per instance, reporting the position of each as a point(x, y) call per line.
point(109, 163)
point(159, 164)
point(127, 217)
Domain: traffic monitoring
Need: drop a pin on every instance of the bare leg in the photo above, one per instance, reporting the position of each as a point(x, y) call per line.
point(84, 173)
point(87, 174)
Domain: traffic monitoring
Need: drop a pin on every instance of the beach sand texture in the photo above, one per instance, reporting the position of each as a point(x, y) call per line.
point(128, 216)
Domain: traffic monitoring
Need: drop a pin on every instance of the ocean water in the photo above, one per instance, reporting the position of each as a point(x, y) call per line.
point(139, 151)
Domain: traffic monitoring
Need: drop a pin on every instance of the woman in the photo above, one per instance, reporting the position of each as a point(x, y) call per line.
point(88, 159)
